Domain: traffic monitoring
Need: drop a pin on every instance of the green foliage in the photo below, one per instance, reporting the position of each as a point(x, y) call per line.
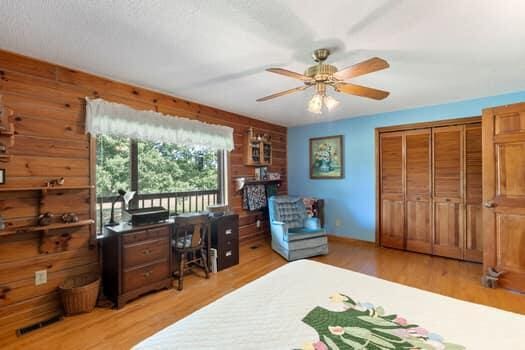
point(113, 165)
point(161, 167)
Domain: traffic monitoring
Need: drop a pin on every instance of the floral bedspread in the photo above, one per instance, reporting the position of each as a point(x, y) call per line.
point(354, 325)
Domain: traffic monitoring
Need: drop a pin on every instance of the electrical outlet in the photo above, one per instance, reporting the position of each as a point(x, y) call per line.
point(337, 222)
point(258, 223)
point(40, 277)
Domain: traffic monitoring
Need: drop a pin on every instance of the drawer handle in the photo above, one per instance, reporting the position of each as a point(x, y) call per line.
point(228, 231)
point(228, 253)
point(146, 252)
point(147, 274)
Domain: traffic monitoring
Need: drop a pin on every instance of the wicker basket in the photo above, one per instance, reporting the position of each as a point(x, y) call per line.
point(79, 294)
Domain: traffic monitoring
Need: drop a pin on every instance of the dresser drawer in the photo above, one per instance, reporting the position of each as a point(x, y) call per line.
point(138, 236)
point(141, 276)
point(144, 252)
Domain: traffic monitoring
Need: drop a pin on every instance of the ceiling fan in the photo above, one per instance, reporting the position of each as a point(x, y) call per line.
point(322, 75)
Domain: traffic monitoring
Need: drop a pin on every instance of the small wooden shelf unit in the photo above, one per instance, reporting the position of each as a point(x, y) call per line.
point(258, 149)
point(55, 226)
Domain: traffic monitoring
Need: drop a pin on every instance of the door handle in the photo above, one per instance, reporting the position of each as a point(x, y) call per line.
point(489, 204)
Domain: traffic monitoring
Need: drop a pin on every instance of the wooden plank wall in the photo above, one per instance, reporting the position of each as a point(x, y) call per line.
point(48, 101)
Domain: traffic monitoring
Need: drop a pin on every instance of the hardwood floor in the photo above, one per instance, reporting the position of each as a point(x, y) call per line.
point(121, 329)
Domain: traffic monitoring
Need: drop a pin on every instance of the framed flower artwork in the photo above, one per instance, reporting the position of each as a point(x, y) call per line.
point(327, 157)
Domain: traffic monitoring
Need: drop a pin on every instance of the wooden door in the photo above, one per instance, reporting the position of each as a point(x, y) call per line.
point(473, 249)
point(392, 190)
point(448, 215)
point(417, 193)
point(504, 193)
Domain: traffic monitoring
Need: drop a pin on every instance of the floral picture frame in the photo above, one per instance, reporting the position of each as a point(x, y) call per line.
point(327, 157)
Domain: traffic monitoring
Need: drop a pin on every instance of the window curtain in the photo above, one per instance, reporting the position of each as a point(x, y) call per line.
point(108, 118)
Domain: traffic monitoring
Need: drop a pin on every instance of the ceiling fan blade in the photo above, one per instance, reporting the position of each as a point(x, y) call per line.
point(282, 93)
point(365, 67)
point(362, 91)
point(289, 74)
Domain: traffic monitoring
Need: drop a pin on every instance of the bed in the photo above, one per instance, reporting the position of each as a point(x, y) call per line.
point(313, 306)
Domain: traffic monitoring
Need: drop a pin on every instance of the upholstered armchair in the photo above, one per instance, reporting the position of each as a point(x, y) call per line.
point(294, 235)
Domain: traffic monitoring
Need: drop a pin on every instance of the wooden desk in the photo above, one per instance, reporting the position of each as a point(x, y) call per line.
point(136, 260)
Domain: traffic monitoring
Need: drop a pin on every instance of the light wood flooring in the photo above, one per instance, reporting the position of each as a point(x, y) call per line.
point(121, 329)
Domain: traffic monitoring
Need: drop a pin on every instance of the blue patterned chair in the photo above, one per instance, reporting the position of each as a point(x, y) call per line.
point(294, 235)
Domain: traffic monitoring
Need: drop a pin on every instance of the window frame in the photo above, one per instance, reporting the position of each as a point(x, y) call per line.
point(222, 175)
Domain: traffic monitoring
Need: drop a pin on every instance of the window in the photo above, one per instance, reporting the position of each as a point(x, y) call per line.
point(178, 178)
point(113, 165)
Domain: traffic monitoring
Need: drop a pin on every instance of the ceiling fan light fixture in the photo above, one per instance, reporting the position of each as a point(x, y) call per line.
point(330, 102)
point(323, 75)
point(315, 105)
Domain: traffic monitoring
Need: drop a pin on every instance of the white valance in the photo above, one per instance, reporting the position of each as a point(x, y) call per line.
point(108, 118)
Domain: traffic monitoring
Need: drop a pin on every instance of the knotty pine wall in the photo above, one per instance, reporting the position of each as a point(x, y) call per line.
point(49, 108)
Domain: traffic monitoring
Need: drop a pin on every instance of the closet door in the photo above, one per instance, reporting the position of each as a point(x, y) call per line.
point(504, 193)
point(473, 194)
point(392, 230)
point(418, 200)
point(448, 218)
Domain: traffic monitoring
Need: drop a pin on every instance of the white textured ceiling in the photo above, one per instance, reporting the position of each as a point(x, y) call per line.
point(215, 51)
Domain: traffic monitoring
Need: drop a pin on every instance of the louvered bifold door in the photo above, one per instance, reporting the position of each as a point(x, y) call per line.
point(418, 201)
point(392, 190)
point(473, 194)
point(448, 189)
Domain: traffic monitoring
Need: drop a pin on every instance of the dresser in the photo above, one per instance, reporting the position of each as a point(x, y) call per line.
point(135, 260)
point(225, 238)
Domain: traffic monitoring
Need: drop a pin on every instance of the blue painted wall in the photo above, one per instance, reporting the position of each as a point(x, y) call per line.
point(352, 199)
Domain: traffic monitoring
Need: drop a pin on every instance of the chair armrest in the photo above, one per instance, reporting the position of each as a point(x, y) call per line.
point(281, 228)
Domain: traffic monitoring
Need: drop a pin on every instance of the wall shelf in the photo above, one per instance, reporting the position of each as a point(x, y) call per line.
point(45, 189)
point(258, 182)
point(46, 228)
point(262, 182)
point(6, 133)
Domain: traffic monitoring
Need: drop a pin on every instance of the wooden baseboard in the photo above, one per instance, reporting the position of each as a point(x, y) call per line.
point(342, 239)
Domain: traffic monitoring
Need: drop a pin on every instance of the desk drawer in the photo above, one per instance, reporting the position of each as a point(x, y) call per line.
point(145, 252)
point(226, 244)
point(228, 254)
point(144, 275)
point(134, 237)
point(228, 228)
